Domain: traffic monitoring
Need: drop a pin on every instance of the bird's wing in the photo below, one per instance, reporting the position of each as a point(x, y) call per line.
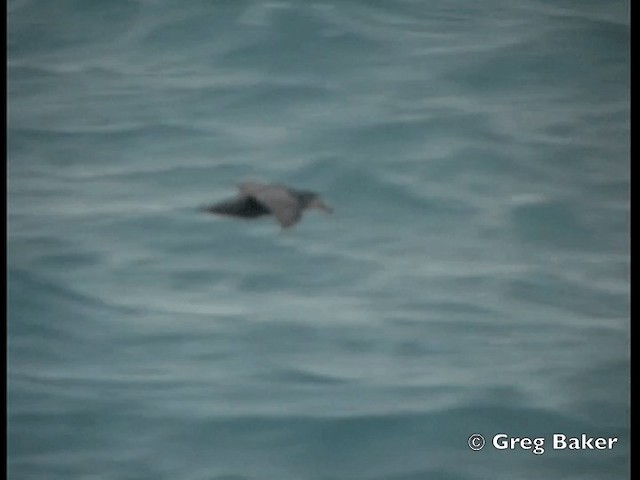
point(282, 204)
point(249, 188)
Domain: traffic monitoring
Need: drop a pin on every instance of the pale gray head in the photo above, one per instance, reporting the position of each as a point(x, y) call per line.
point(312, 200)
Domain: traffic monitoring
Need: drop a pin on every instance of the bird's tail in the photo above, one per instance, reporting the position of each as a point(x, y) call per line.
point(207, 208)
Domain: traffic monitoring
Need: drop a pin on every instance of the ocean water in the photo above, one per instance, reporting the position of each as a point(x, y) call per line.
point(473, 278)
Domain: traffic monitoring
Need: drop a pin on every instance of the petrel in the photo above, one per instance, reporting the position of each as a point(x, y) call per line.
point(257, 199)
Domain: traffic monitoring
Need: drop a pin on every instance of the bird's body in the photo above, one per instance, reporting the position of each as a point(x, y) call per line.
point(255, 200)
point(245, 207)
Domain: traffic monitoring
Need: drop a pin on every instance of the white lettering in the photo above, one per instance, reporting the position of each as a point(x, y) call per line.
point(586, 442)
point(538, 443)
point(559, 441)
point(583, 442)
point(500, 441)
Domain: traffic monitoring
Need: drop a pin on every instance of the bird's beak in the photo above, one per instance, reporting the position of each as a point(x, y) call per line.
point(320, 205)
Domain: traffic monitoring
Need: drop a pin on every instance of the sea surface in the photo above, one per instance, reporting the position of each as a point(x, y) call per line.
point(474, 277)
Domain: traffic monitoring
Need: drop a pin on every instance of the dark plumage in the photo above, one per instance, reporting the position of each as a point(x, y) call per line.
point(255, 200)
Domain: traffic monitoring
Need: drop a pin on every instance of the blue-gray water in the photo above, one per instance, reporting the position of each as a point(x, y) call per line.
point(473, 279)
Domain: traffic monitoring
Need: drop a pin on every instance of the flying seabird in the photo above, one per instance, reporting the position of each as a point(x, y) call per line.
point(256, 199)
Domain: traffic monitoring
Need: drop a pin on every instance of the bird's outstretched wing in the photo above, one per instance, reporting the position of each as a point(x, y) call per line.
point(283, 205)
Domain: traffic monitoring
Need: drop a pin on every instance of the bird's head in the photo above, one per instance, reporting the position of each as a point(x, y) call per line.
point(312, 200)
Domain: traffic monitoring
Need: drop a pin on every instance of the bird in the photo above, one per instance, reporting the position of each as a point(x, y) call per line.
point(257, 199)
